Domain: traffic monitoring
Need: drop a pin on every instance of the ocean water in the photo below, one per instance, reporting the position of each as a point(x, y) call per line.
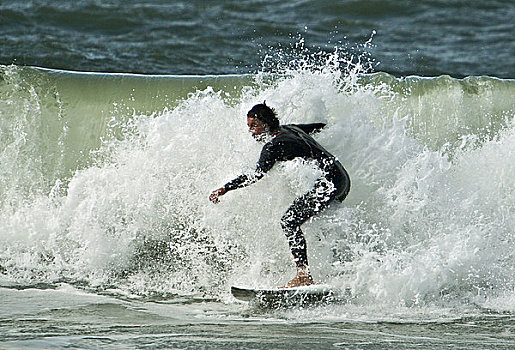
point(428, 37)
point(117, 120)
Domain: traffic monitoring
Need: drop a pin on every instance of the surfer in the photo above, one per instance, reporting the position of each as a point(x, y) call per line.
point(288, 142)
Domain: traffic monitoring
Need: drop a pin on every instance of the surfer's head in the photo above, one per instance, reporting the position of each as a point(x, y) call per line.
point(264, 114)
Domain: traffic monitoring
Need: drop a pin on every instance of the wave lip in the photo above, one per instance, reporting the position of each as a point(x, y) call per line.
point(105, 177)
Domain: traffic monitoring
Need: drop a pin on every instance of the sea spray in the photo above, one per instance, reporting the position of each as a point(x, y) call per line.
point(428, 220)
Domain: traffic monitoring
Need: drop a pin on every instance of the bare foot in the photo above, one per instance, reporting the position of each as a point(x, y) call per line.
point(303, 278)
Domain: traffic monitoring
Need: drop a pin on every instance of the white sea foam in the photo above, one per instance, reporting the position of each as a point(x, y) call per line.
point(423, 223)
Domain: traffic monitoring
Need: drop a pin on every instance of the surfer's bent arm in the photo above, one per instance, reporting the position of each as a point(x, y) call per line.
point(311, 128)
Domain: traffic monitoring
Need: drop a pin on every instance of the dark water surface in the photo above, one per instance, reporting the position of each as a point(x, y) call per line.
point(430, 37)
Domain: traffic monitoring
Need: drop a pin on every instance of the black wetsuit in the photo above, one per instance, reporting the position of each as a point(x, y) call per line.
point(290, 142)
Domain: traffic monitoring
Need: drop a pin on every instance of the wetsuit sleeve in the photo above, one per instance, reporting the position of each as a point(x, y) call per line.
point(311, 128)
point(241, 181)
point(266, 161)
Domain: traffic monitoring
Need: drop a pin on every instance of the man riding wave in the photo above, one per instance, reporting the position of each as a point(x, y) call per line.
point(288, 142)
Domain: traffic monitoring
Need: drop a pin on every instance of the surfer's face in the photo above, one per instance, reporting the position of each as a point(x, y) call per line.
point(257, 128)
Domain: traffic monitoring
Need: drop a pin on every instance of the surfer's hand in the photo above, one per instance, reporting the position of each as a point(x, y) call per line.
point(214, 197)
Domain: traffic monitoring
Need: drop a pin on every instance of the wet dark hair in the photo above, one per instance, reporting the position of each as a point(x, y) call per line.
point(266, 114)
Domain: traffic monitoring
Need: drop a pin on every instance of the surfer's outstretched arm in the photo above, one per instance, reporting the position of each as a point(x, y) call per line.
point(266, 161)
point(239, 182)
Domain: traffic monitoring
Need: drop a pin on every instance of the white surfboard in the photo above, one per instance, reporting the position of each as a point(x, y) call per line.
point(317, 293)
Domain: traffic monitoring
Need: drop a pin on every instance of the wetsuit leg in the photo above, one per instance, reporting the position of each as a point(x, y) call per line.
point(303, 208)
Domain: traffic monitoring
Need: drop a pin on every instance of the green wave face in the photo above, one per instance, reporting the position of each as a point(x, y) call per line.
point(104, 181)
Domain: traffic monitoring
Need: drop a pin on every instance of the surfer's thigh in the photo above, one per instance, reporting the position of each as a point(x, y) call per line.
point(306, 206)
